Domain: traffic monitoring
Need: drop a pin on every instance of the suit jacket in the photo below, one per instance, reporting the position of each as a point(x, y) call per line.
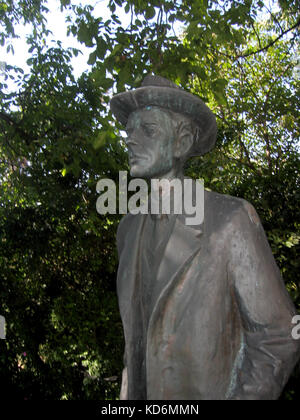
point(221, 326)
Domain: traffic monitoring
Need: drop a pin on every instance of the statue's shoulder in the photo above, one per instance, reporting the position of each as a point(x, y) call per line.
point(124, 227)
point(125, 224)
point(227, 208)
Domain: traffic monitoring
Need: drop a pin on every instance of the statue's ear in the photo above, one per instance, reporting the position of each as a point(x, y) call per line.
point(184, 140)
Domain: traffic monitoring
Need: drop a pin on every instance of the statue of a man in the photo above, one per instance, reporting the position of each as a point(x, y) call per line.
point(205, 311)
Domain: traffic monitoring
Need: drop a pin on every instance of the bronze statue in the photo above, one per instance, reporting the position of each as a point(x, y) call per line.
point(205, 311)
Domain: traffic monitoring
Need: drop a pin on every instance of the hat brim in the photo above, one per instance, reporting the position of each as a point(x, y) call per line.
point(176, 100)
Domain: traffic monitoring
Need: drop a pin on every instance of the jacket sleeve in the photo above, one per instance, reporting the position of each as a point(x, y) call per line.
point(124, 384)
point(268, 351)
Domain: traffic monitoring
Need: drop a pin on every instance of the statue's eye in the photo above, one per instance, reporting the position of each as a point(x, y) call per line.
point(149, 130)
point(129, 131)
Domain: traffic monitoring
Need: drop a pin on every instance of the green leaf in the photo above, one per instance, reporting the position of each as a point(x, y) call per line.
point(100, 140)
point(218, 87)
point(150, 13)
point(92, 58)
point(65, 3)
point(84, 35)
point(101, 48)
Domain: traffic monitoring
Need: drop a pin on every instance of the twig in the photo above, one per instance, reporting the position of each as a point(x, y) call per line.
point(274, 17)
point(256, 33)
point(261, 49)
point(271, 43)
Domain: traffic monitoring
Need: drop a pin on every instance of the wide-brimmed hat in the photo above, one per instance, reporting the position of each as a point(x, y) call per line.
point(158, 91)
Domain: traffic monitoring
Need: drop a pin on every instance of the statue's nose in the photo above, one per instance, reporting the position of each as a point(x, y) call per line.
point(131, 141)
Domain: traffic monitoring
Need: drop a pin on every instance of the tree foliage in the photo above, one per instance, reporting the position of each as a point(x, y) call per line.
point(57, 139)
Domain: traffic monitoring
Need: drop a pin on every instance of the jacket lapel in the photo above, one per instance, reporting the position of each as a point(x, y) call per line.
point(183, 244)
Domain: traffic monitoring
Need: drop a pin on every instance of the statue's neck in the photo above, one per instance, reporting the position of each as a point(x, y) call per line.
point(174, 173)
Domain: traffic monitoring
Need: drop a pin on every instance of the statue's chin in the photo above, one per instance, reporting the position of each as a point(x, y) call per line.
point(138, 172)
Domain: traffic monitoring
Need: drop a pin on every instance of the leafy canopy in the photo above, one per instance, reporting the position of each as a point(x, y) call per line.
point(57, 138)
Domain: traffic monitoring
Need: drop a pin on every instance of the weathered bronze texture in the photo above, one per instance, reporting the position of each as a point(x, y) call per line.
point(204, 308)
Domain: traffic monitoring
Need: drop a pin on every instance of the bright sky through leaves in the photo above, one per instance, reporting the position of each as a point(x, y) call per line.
point(57, 25)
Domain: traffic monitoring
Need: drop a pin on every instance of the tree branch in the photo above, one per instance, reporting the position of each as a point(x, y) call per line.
point(273, 84)
point(257, 35)
point(235, 58)
point(271, 43)
point(8, 119)
point(257, 170)
point(246, 152)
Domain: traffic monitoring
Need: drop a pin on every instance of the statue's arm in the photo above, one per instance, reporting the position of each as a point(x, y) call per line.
point(120, 244)
point(269, 352)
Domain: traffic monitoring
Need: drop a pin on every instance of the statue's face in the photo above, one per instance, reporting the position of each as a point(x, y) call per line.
point(150, 142)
